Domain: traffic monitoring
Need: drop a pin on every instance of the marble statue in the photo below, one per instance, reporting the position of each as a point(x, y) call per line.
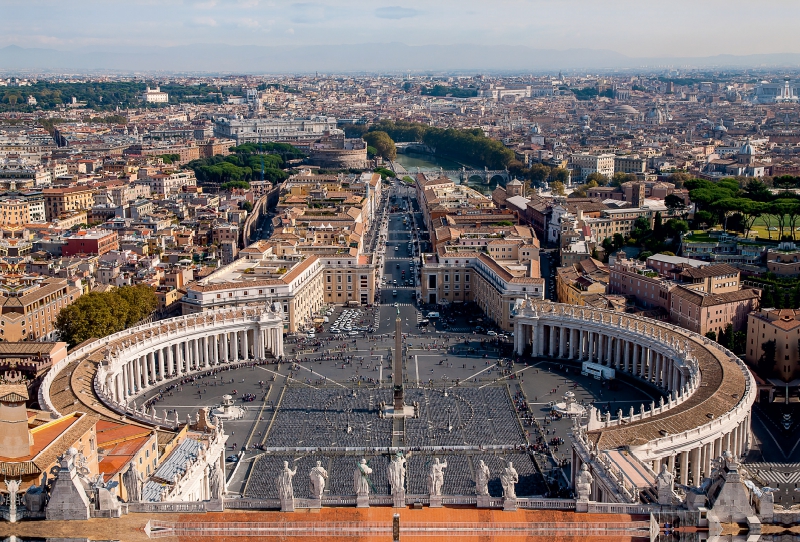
point(397, 473)
point(482, 479)
point(665, 482)
point(13, 488)
point(360, 480)
point(583, 485)
point(436, 477)
point(215, 484)
point(133, 481)
point(509, 479)
point(317, 478)
point(284, 483)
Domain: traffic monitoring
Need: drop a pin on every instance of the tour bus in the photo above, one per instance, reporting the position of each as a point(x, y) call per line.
point(597, 371)
point(433, 315)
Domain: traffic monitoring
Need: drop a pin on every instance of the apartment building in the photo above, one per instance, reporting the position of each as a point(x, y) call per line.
point(61, 201)
point(94, 241)
point(459, 274)
point(781, 326)
point(30, 306)
point(578, 282)
point(702, 312)
point(593, 163)
point(162, 184)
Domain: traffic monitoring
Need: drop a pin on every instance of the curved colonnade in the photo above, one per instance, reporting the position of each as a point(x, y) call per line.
point(709, 392)
point(138, 359)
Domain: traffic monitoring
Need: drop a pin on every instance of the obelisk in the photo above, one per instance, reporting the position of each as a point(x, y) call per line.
point(397, 359)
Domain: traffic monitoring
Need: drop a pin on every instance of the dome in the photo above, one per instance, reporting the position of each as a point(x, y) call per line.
point(514, 182)
point(747, 149)
point(626, 110)
point(720, 128)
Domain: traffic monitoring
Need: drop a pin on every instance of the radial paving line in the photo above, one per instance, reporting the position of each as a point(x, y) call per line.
point(274, 415)
point(258, 418)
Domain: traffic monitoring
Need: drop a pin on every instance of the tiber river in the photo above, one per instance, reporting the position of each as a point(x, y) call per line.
point(428, 162)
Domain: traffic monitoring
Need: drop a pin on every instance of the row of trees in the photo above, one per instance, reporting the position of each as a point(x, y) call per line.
point(738, 208)
point(380, 144)
point(101, 314)
point(469, 146)
point(245, 164)
point(102, 95)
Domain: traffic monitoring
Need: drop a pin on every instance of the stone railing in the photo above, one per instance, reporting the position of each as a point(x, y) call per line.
point(159, 333)
point(623, 508)
point(533, 503)
point(252, 504)
point(167, 507)
point(564, 314)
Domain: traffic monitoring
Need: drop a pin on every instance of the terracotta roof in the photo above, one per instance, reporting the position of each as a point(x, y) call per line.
point(714, 270)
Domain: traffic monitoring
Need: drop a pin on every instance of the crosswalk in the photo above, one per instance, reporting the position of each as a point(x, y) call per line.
point(460, 330)
point(399, 305)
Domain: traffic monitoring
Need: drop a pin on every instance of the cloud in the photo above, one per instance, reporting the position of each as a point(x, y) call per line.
point(290, 31)
point(204, 21)
point(210, 4)
point(396, 12)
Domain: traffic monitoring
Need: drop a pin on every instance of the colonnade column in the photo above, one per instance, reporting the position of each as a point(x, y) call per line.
point(151, 365)
point(609, 351)
point(562, 340)
point(685, 468)
point(695, 453)
point(245, 345)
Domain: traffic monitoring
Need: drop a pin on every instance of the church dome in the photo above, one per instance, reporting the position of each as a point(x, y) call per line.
point(514, 182)
point(626, 110)
point(747, 149)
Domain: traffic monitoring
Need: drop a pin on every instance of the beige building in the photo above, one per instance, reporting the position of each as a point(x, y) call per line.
point(263, 274)
point(575, 283)
point(460, 274)
point(30, 306)
point(781, 326)
point(61, 201)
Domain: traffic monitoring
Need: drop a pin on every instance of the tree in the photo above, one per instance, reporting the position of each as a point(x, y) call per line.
point(539, 173)
point(712, 335)
point(619, 241)
point(247, 206)
point(559, 174)
point(598, 178)
point(679, 178)
point(676, 227)
point(557, 188)
point(101, 314)
point(674, 203)
point(644, 255)
point(382, 143)
point(619, 178)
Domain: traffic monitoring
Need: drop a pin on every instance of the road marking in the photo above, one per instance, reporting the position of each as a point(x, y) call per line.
point(285, 376)
point(325, 378)
point(515, 373)
point(416, 367)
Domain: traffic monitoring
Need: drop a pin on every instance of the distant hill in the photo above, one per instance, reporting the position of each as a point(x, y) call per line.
point(367, 57)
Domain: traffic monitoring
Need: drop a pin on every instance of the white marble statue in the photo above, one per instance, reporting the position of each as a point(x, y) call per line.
point(583, 485)
point(509, 479)
point(482, 479)
point(133, 481)
point(360, 480)
point(284, 483)
point(318, 476)
point(665, 483)
point(397, 473)
point(436, 477)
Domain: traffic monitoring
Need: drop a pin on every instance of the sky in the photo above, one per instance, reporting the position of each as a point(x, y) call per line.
point(642, 28)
